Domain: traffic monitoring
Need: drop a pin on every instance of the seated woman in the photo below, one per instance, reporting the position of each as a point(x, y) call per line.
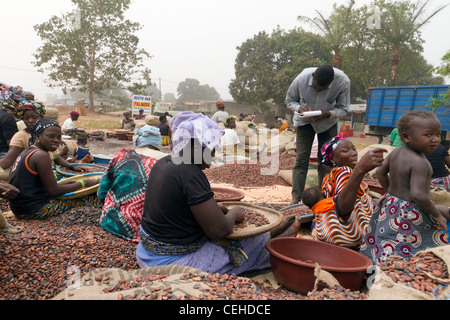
point(32, 174)
point(345, 208)
point(182, 223)
point(128, 122)
point(30, 112)
point(122, 188)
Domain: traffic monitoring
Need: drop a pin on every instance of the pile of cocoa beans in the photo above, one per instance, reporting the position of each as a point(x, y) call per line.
point(422, 271)
point(37, 263)
point(250, 174)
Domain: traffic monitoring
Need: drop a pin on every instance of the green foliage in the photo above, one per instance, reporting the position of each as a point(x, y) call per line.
point(267, 64)
point(444, 68)
point(435, 103)
point(92, 48)
point(191, 90)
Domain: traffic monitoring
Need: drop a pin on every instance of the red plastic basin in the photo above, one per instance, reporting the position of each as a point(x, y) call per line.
point(294, 260)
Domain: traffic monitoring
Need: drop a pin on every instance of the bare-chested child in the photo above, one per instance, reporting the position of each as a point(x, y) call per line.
point(406, 220)
point(406, 173)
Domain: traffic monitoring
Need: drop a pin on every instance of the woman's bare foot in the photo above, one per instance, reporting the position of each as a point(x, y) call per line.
point(288, 228)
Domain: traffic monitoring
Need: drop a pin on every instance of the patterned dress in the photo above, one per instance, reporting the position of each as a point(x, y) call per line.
point(329, 226)
point(122, 189)
point(400, 228)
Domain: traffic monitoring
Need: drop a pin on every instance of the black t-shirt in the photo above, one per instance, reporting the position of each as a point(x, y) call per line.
point(436, 160)
point(8, 128)
point(33, 194)
point(164, 129)
point(171, 190)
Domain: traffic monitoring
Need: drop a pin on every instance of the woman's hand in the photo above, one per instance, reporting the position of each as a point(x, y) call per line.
point(8, 191)
point(223, 208)
point(91, 182)
point(371, 160)
point(76, 168)
point(239, 213)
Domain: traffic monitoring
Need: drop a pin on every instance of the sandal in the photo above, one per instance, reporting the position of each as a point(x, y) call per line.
point(11, 229)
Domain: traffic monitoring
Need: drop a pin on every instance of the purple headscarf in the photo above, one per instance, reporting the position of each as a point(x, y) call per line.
point(188, 125)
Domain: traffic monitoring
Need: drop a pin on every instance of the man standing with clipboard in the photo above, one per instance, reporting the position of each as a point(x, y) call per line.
point(318, 97)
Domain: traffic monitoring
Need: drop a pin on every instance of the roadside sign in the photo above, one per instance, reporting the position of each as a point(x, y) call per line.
point(141, 102)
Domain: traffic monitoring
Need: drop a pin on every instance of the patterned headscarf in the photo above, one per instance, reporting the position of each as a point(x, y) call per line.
point(328, 148)
point(148, 135)
point(188, 125)
point(228, 120)
point(29, 105)
point(8, 106)
point(40, 126)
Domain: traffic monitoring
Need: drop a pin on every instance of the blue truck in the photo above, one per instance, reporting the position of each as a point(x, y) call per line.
point(386, 105)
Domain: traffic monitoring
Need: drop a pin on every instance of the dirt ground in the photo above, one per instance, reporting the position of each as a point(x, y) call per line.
point(110, 146)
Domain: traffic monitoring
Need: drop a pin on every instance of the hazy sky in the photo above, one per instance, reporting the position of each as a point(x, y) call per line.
point(187, 38)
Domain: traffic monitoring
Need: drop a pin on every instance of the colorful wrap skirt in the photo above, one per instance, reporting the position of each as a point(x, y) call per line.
point(442, 182)
point(329, 228)
point(57, 206)
point(228, 256)
point(400, 228)
point(122, 190)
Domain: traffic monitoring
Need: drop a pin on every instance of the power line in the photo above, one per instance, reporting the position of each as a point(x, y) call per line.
point(19, 69)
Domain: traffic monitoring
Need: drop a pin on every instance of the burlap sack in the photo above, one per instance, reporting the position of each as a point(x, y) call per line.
point(361, 153)
point(51, 113)
point(387, 289)
point(88, 288)
point(312, 179)
point(440, 196)
point(152, 120)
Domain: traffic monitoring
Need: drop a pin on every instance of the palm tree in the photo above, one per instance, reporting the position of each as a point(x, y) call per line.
point(401, 22)
point(335, 29)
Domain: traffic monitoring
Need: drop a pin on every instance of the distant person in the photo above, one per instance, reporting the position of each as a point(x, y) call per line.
point(394, 139)
point(440, 162)
point(69, 127)
point(282, 124)
point(140, 115)
point(128, 122)
point(166, 132)
point(221, 115)
point(325, 89)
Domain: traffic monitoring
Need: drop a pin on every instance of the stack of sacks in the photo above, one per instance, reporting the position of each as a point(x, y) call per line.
point(246, 135)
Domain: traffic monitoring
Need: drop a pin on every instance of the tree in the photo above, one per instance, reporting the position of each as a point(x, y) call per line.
point(334, 29)
point(401, 22)
point(92, 48)
point(191, 90)
point(267, 64)
point(444, 68)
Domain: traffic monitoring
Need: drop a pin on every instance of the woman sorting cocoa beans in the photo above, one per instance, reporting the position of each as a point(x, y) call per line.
point(342, 208)
point(186, 226)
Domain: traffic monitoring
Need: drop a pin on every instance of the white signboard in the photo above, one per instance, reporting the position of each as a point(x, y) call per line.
point(141, 102)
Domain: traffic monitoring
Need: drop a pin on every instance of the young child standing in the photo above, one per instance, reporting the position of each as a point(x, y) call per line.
point(166, 133)
point(407, 220)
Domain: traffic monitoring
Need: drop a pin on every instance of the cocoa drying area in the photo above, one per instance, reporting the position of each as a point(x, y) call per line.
point(70, 257)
